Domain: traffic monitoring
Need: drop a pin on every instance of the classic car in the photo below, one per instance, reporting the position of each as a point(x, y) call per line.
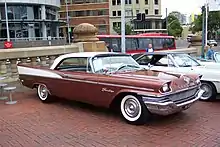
point(212, 42)
point(113, 80)
point(184, 63)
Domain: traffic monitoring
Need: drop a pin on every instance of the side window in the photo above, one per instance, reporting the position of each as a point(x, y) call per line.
point(116, 44)
point(168, 43)
point(74, 64)
point(131, 43)
point(144, 60)
point(143, 43)
point(165, 61)
point(158, 43)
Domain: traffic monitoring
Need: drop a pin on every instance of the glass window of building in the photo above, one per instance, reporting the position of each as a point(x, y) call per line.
point(113, 13)
point(137, 1)
point(118, 2)
point(119, 13)
point(156, 2)
point(127, 1)
point(146, 2)
point(113, 2)
point(146, 11)
point(156, 11)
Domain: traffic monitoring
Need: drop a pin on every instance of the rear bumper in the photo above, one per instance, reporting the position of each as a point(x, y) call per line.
point(167, 108)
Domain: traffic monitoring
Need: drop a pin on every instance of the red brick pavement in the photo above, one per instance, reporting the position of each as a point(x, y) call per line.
point(30, 123)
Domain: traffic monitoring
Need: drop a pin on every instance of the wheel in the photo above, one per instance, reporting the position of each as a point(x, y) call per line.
point(43, 93)
point(134, 110)
point(210, 92)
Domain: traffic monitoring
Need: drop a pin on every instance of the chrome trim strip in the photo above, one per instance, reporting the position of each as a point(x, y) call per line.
point(99, 83)
point(108, 84)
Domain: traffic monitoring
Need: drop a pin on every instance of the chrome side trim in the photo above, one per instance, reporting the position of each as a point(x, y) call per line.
point(99, 83)
point(108, 84)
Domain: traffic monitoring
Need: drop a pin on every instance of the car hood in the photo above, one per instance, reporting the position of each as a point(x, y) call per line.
point(158, 78)
point(209, 65)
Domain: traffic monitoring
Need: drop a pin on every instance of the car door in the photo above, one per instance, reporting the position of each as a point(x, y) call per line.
point(163, 64)
point(78, 82)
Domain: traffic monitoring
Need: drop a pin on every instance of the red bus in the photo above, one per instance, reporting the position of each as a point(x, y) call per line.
point(139, 43)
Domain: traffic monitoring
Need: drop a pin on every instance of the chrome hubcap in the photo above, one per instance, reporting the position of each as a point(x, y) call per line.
point(131, 108)
point(208, 91)
point(43, 92)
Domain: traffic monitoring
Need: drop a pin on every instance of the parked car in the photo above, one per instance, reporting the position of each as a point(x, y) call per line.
point(212, 42)
point(113, 80)
point(184, 63)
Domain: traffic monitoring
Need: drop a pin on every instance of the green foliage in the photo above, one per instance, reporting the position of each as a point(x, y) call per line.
point(196, 26)
point(174, 26)
point(213, 22)
point(128, 29)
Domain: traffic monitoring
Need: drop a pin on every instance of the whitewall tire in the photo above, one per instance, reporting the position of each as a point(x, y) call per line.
point(43, 93)
point(134, 110)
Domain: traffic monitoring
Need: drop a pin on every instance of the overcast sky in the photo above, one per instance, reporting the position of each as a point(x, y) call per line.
point(183, 6)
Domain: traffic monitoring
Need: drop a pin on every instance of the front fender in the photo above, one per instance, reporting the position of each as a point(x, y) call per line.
point(138, 92)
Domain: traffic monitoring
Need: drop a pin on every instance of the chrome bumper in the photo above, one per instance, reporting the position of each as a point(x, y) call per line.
point(167, 108)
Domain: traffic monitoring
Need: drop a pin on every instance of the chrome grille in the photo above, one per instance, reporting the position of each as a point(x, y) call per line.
point(183, 96)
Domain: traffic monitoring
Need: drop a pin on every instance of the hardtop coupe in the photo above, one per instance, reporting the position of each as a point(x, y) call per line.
point(113, 80)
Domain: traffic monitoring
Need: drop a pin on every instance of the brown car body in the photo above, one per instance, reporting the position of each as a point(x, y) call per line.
point(103, 89)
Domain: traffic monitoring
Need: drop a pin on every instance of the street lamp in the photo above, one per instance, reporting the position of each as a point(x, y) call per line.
point(67, 19)
point(6, 18)
point(123, 26)
point(206, 21)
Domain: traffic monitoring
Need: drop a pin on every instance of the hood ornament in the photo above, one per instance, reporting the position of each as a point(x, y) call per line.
point(149, 66)
point(186, 79)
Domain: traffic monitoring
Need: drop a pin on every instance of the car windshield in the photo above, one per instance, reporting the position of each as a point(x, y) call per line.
point(184, 60)
point(112, 64)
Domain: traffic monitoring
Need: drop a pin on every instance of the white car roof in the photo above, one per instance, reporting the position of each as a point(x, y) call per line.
point(79, 54)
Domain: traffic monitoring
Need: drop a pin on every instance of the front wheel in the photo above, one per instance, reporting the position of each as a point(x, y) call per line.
point(210, 92)
point(43, 93)
point(134, 110)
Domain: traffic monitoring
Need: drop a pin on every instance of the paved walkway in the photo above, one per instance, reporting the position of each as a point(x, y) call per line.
point(31, 123)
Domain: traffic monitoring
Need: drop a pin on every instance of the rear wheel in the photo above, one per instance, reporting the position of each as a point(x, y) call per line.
point(43, 93)
point(210, 91)
point(134, 110)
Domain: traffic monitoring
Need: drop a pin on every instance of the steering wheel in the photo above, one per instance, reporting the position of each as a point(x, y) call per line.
point(126, 65)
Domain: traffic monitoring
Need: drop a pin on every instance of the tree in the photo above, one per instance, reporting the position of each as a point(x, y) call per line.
point(128, 29)
point(174, 26)
point(196, 26)
point(213, 23)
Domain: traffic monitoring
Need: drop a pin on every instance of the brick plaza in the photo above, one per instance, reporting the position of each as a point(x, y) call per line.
point(30, 123)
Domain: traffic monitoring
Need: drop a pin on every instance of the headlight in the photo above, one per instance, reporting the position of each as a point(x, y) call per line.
point(198, 81)
point(186, 79)
point(165, 88)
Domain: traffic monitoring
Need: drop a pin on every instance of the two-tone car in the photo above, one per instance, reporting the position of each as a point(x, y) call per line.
point(113, 80)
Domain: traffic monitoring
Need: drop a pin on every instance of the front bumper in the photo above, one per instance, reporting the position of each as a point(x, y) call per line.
point(155, 106)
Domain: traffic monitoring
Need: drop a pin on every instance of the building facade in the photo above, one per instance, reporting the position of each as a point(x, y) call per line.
point(30, 19)
point(95, 12)
point(151, 8)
